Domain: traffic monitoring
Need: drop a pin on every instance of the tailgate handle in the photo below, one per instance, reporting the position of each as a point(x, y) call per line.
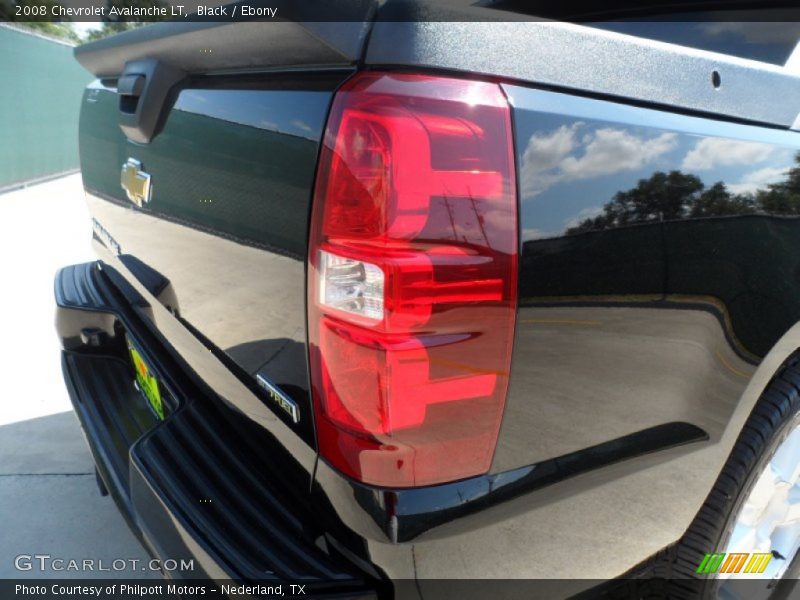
point(131, 85)
point(146, 90)
point(129, 89)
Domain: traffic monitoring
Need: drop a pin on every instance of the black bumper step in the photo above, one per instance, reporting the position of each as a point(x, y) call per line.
point(195, 455)
point(75, 287)
point(190, 486)
point(113, 412)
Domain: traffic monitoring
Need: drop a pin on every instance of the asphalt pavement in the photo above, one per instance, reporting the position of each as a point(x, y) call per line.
point(49, 501)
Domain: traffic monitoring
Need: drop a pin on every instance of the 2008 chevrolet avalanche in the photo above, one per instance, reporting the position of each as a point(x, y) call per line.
point(382, 302)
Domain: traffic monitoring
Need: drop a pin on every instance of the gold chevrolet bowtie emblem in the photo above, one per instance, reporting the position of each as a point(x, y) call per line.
point(135, 182)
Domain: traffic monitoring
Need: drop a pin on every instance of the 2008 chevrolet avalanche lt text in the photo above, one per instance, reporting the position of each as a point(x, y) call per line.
point(381, 303)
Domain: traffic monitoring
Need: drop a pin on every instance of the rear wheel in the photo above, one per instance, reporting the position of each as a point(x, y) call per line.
point(754, 506)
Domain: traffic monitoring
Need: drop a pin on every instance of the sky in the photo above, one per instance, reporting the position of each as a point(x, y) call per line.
point(576, 153)
point(571, 167)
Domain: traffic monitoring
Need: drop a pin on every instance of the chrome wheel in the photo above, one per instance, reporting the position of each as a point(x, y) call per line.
point(769, 519)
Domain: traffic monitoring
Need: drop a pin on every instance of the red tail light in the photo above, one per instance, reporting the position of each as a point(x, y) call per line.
point(413, 278)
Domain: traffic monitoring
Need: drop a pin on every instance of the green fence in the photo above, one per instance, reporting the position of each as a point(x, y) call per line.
point(40, 97)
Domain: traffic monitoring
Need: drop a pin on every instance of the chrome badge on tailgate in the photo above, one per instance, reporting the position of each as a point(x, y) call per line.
point(135, 182)
point(285, 403)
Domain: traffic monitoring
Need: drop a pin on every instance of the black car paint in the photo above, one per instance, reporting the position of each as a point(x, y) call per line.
point(551, 434)
point(635, 270)
point(256, 198)
point(405, 514)
point(660, 312)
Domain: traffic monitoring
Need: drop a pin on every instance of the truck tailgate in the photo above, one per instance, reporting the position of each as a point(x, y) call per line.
point(219, 236)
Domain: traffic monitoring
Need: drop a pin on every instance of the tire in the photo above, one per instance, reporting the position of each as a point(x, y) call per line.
point(774, 417)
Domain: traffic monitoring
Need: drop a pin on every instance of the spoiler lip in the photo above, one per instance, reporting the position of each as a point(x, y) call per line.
point(251, 45)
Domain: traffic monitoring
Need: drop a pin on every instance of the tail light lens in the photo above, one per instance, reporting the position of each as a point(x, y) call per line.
point(413, 278)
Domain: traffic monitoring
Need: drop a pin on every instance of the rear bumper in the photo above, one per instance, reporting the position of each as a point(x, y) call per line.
point(193, 486)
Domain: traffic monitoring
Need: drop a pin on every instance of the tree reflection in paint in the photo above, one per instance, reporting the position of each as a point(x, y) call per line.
point(676, 195)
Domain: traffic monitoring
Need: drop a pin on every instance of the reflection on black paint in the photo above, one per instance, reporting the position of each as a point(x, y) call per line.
point(237, 163)
point(670, 235)
point(675, 195)
point(638, 213)
point(415, 511)
point(659, 264)
point(225, 230)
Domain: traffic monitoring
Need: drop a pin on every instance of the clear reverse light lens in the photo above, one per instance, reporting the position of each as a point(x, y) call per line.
point(352, 286)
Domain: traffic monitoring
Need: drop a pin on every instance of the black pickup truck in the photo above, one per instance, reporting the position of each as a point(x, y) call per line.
point(383, 303)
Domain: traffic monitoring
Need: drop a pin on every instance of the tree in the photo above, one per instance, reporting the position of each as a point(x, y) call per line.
point(661, 197)
point(782, 198)
point(39, 23)
point(675, 195)
point(111, 28)
point(717, 201)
